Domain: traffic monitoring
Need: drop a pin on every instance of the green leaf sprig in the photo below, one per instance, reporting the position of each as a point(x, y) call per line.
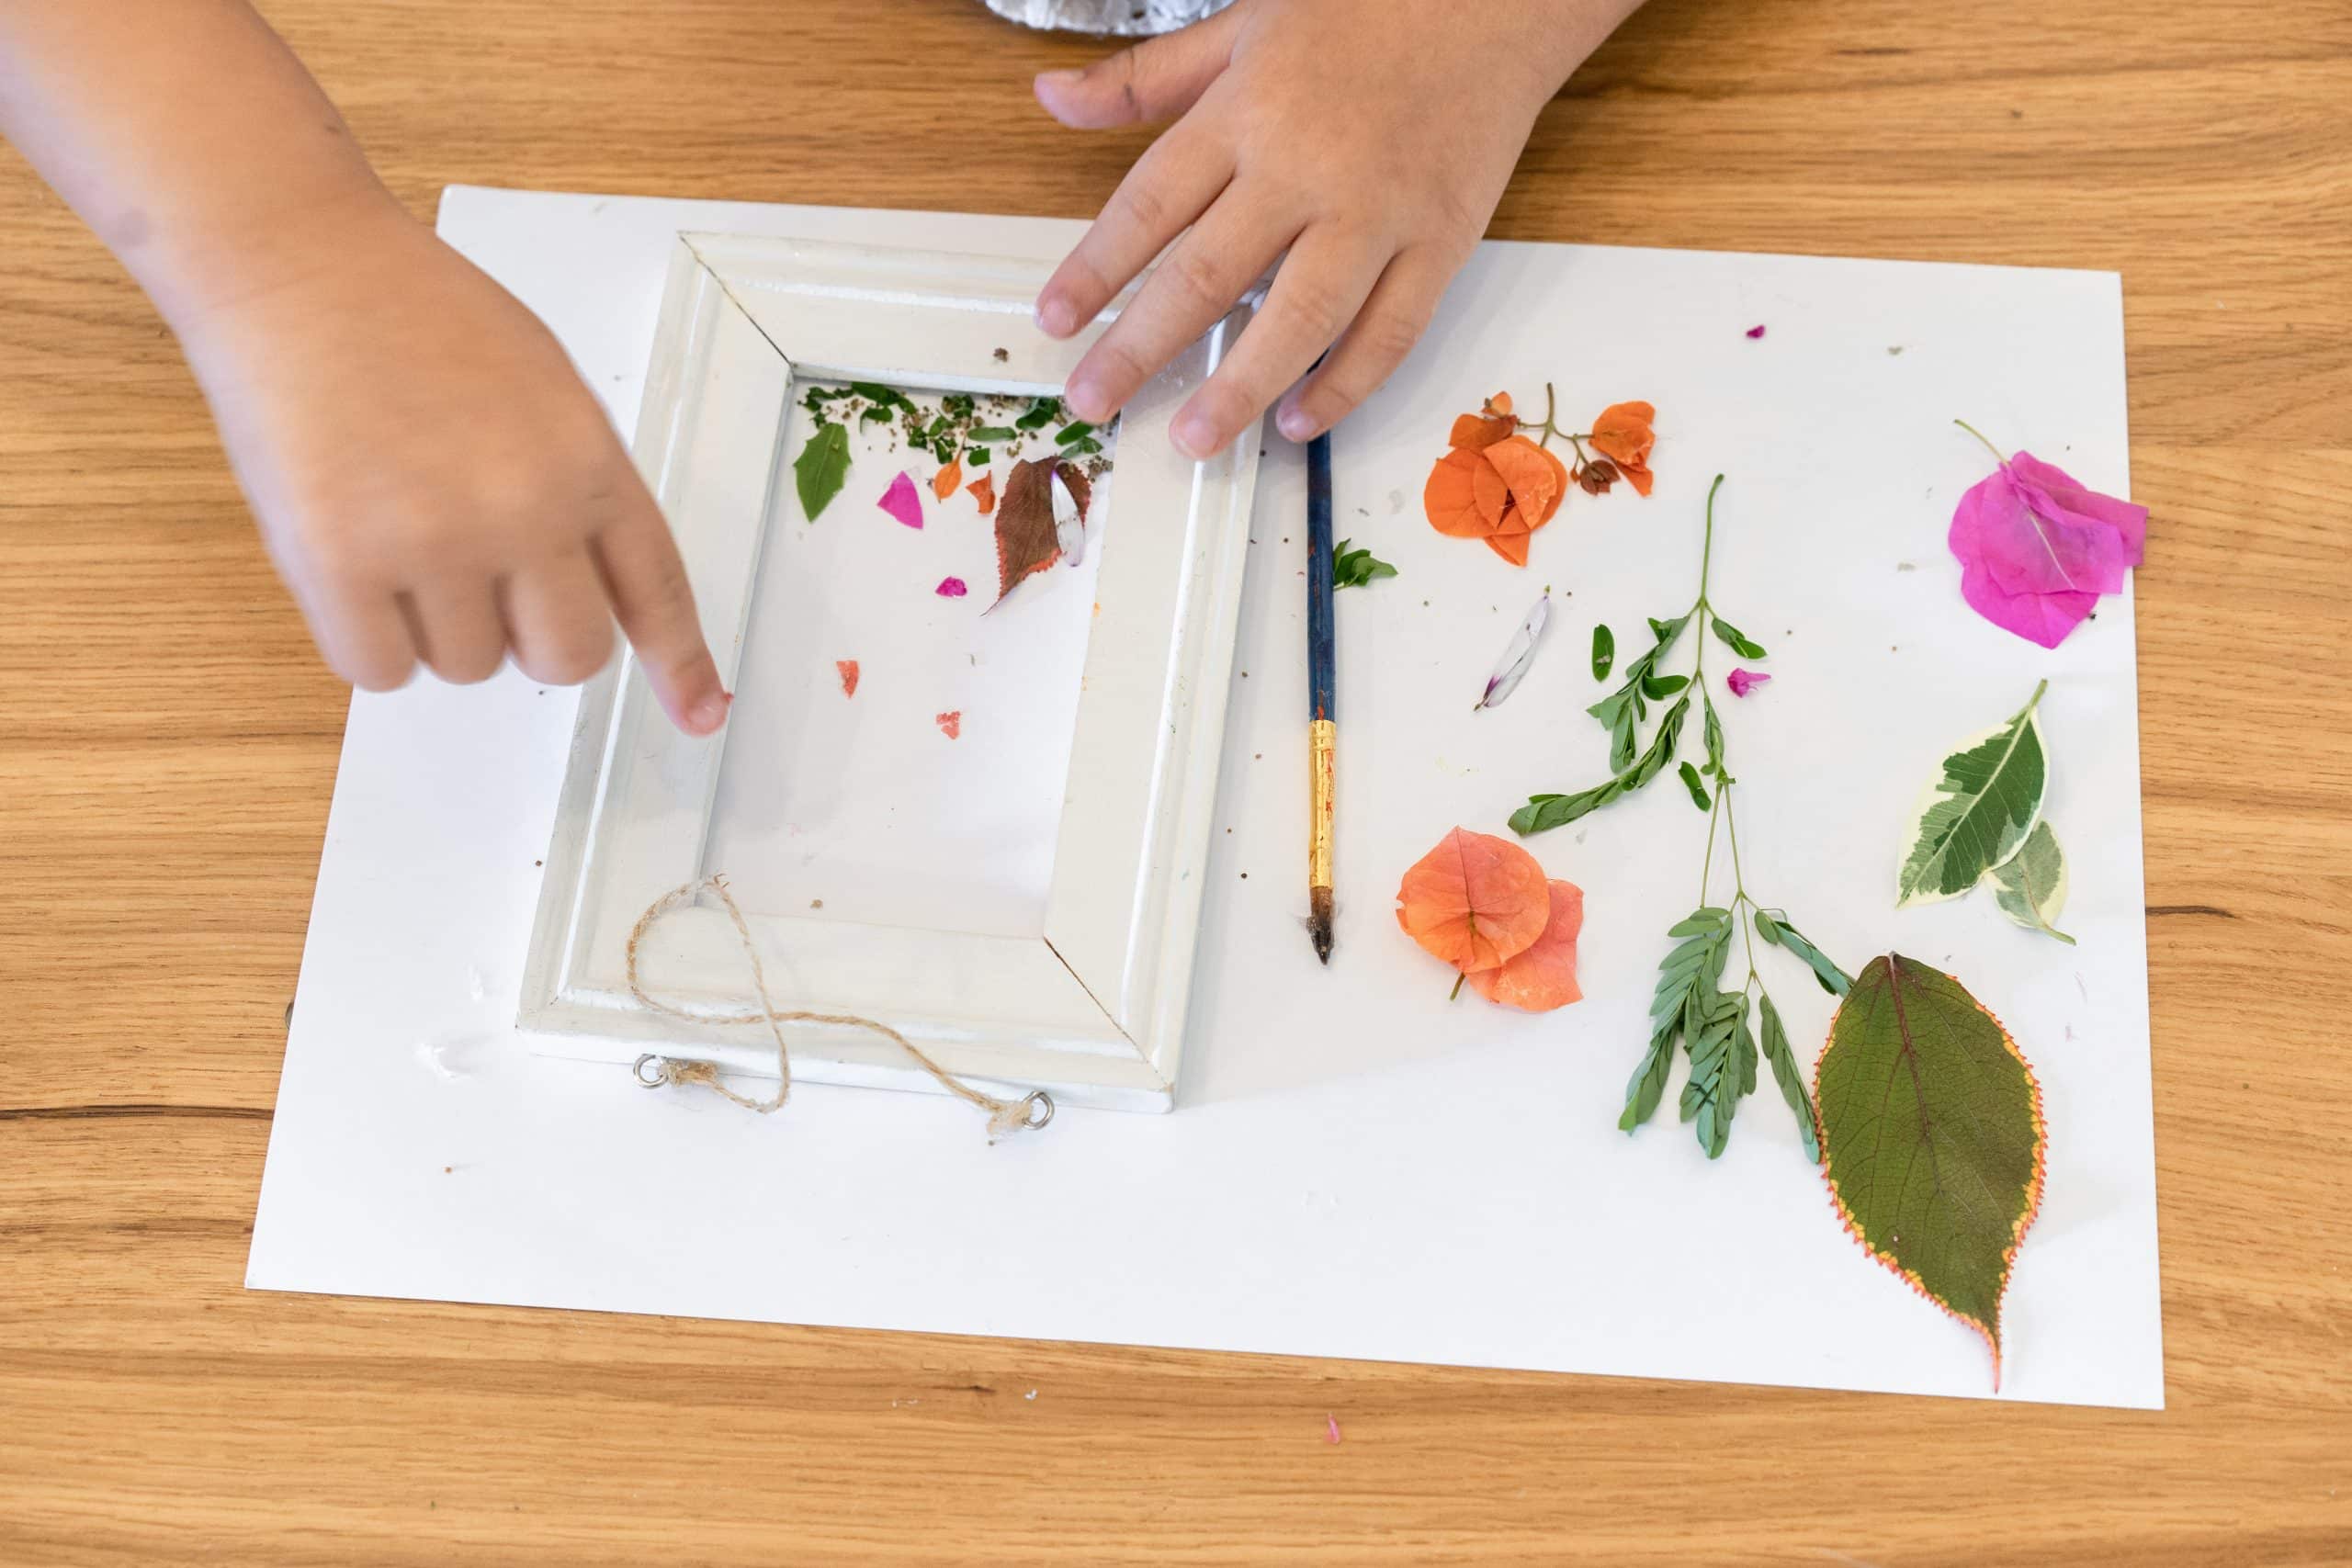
point(1690, 1008)
point(950, 431)
point(1356, 569)
point(1624, 710)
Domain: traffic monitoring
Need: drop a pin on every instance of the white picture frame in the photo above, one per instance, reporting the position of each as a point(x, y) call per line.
point(1093, 1008)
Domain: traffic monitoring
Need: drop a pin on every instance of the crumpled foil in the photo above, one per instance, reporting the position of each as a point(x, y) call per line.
point(1130, 17)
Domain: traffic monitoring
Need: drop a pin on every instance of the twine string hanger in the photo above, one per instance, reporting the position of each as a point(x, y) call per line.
point(1026, 1113)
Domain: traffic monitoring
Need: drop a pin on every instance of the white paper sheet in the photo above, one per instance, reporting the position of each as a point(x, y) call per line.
point(1357, 1168)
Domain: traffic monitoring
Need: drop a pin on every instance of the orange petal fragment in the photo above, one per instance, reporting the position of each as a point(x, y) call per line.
point(951, 725)
point(1638, 477)
point(1622, 431)
point(1473, 433)
point(1533, 475)
point(1475, 901)
point(983, 489)
point(1559, 488)
point(1499, 404)
point(1452, 496)
point(943, 483)
point(1512, 547)
point(847, 670)
point(1543, 977)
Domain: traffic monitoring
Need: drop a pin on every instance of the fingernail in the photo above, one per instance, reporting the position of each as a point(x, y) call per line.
point(1295, 423)
point(1054, 317)
point(1085, 399)
point(1062, 78)
point(1193, 435)
point(709, 713)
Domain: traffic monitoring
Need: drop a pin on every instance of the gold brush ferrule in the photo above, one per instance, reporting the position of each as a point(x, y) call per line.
point(1322, 741)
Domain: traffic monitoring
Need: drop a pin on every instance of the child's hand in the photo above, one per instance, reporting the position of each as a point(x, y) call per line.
point(1371, 139)
point(431, 479)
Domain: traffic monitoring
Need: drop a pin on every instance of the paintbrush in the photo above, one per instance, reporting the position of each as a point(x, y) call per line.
point(1322, 730)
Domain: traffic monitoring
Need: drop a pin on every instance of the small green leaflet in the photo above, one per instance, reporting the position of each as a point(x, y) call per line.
point(821, 468)
point(991, 432)
point(1979, 812)
point(1714, 733)
point(1076, 432)
point(1933, 1132)
point(1547, 811)
point(1723, 1067)
point(1737, 642)
point(1699, 796)
point(1776, 930)
point(1786, 1073)
point(2031, 888)
point(1042, 412)
point(1356, 569)
point(1604, 651)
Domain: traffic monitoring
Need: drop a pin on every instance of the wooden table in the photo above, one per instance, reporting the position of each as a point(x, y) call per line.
point(168, 745)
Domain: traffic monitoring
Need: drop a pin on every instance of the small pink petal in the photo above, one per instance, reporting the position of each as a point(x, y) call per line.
point(951, 724)
point(1330, 1427)
point(951, 588)
point(1743, 682)
point(1755, 332)
point(901, 501)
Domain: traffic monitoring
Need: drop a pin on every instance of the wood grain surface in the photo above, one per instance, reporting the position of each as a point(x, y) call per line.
point(167, 747)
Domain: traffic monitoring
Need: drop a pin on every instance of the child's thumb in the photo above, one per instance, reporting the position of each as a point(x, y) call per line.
point(1157, 79)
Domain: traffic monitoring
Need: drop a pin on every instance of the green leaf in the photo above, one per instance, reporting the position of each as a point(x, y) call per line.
point(1931, 1126)
point(1722, 1072)
point(1665, 632)
point(1082, 449)
point(959, 404)
point(821, 468)
point(1042, 412)
point(2031, 887)
point(1739, 644)
point(978, 457)
point(1776, 930)
point(881, 395)
point(1077, 431)
point(1979, 812)
point(1657, 688)
point(874, 413)
point(1714, 734)
point(1699, 796)
point(1356, 569)
point(992, 432)
point(1685, 1006)
point(1604, 651)
point(1786, 1074)
point(1543, 812)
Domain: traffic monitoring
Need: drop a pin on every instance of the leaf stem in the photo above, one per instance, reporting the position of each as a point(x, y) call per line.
point(1738, 878)
point(1707, 865)
point(1458, 981)
point(2034, 702)
point(1980, 437)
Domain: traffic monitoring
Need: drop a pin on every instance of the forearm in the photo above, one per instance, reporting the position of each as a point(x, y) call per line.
point(186, 134)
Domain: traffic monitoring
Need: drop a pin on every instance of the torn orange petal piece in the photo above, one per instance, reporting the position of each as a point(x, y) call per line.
point(1473, 433)
point(1475, 901)
point(1529, 472)
point(1499, 404)
point(1559, 486)
point(1512, 547)
point(847, 670)
point(983, 489)
point(951, 725)
point(1543, 977)
point(1637, 476)
point(943, 483)
point(1451, 496)
point(1491, 491)
point(1622, 431)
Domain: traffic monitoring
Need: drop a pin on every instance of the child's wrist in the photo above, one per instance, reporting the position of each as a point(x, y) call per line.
point(230, 264)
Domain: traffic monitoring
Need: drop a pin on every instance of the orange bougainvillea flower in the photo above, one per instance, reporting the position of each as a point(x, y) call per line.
point(1475, 901)
point(1622, 435)
point(1494, 483)
point(983, 490)
point(945, 482)
point(1544, 975)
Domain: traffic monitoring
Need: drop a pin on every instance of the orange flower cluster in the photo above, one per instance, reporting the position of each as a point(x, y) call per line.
point(1494, 484)
point(1483, 905)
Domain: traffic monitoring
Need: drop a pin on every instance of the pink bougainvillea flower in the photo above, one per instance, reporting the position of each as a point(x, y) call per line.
point(951, 588)
point(901, 501)
point(1755, 332)
point(2037, 548)
point(1743, 682)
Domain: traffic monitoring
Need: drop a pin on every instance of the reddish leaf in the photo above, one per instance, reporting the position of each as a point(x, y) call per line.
point(1475, 901)
point(943, 483)
point(1025, 523)
point(983, 490)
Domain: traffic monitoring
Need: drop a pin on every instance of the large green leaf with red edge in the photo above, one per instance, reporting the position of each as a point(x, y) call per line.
point(1931, 1136)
